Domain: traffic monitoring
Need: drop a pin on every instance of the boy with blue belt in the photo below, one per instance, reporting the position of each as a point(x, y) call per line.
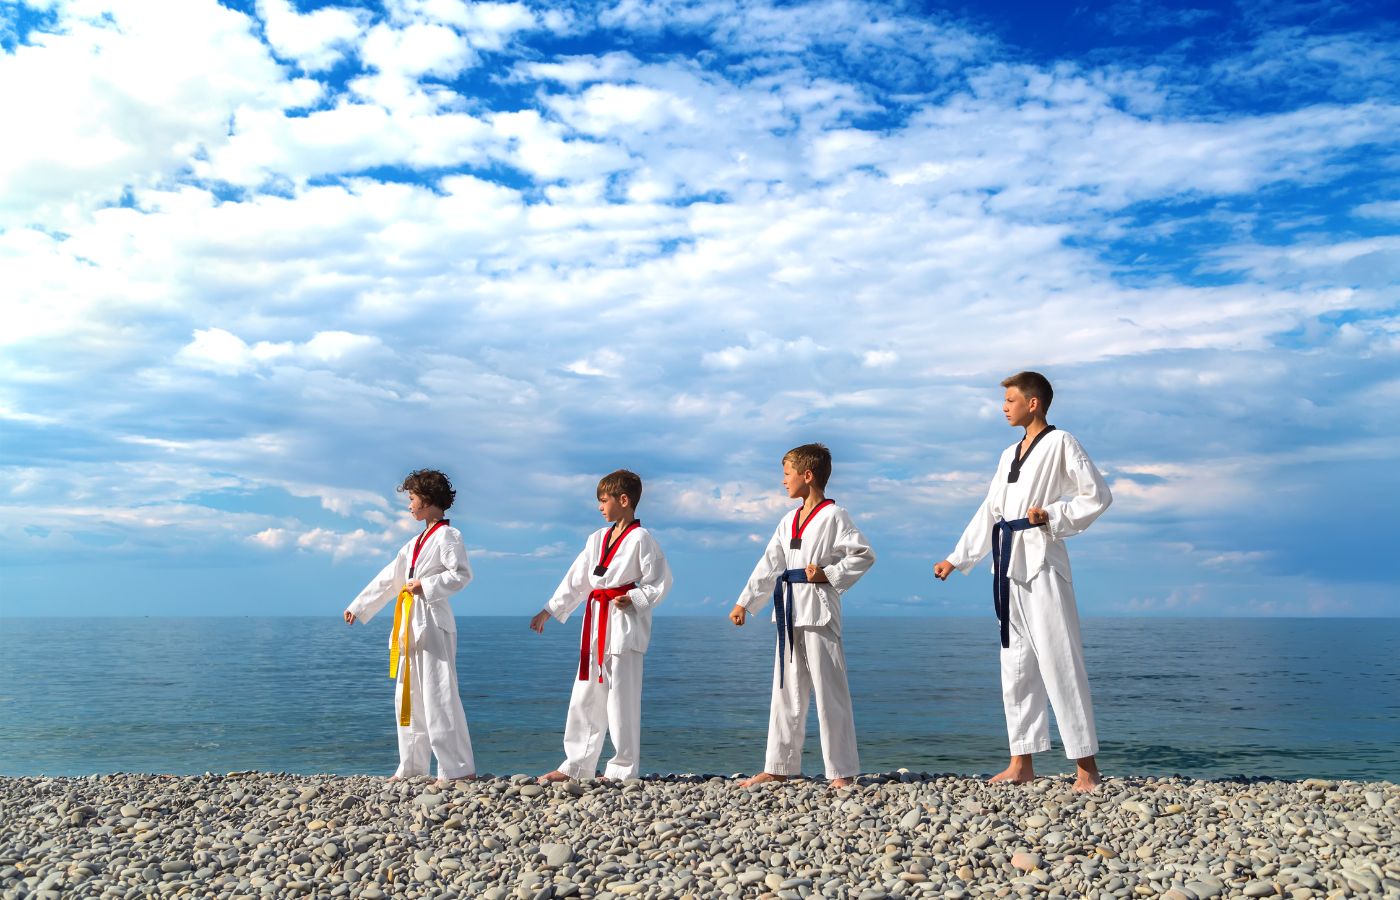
point(1045, 489)
point(815, 556)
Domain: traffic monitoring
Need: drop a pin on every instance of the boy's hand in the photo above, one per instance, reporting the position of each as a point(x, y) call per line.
point(815, 575)
point(738, 614)
point(622, 602)
point(414, 585)
point(349, 617)
point(1037, 515)
point(537, 623)
point(941, 570)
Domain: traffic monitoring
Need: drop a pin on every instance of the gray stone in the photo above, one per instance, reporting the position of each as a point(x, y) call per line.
point(556, 855)
point(1259, 889)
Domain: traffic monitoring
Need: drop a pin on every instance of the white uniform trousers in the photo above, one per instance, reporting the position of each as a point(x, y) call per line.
point(817, 663)
point(1046, 662)
point(614, 707)
point(437, 724)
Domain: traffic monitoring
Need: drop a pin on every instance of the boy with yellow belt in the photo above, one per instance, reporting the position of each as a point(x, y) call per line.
point(423, 644)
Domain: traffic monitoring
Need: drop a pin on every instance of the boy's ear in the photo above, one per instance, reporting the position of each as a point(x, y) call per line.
point(624, 500)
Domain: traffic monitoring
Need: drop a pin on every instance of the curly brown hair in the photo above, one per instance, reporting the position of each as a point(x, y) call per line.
point(430, 484)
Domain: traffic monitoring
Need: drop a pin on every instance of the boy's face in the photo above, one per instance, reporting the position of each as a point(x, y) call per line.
point(417, 507)
point(1020, 410)
point(798, 484)
point(614, 506)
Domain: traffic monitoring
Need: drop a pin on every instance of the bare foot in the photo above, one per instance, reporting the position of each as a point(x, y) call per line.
point(1087, 779)
point(550, 777)
point(444, 782)
point(761, 778)
point(837, 783)
point(1019, 771)
point(393, 778)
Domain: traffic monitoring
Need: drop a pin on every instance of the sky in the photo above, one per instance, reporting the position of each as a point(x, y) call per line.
point(260, 259)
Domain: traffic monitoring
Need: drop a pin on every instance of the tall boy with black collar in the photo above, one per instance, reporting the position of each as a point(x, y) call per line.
point(1045, 489)
point(815, 556)
point(618, 578)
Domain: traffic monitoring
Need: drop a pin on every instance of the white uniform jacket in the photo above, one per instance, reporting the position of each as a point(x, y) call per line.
point(638, 561)
point(443, 569)
point(1057, 476)
point(832, 541)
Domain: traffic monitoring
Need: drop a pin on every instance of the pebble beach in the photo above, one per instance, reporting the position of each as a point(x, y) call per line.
point(898, 834)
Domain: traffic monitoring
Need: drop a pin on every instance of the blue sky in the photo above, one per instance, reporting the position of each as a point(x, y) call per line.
point(260, 259)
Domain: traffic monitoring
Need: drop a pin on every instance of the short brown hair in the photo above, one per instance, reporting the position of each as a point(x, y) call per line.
point(615, 484)
point(814, 458)
point(430, 484)
point(1032, 384)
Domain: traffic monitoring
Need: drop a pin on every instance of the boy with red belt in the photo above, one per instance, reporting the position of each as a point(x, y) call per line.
point(618, 578)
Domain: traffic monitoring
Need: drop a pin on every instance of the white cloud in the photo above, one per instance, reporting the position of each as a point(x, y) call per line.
point(764, 350)
point(316, 40)
point(219, 351)
point(1234, 559)
point(1380, 209)
point(574, 71)
point(416, 49)
point(848, 223)
point(602, 364)
point(101, 113)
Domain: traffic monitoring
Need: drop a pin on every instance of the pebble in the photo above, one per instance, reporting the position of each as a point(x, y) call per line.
point(906, 834)
point(1025, 861)
point(556, 855)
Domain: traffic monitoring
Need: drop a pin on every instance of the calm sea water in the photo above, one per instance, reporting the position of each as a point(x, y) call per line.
point(1209, 698)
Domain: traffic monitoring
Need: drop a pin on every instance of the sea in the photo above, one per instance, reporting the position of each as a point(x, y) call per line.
point(1209, 698)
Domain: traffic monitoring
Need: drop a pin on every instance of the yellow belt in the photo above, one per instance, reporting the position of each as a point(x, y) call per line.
point(403, 612)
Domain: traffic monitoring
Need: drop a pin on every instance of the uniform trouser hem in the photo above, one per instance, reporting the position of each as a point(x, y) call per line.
point(1043, 668)
point(575, 772)
point(438, 726)
point(610, 708)
point(816, 666)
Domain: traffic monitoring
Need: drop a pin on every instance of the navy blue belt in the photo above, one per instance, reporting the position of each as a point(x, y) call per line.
point(782, 612)
point(1001, 579)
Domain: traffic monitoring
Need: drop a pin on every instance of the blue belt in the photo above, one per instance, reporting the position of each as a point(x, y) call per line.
point(1001, 579)
point(782, 611)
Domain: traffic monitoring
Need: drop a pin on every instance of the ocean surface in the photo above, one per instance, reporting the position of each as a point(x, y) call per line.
point(1207, 698)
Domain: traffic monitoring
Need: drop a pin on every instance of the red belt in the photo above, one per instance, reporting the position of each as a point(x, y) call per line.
point(602, 596)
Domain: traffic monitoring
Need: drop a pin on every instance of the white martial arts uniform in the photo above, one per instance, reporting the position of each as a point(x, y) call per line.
point(817, 661)
point(438, 724)
point(1045, 659)
point(613, 704)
